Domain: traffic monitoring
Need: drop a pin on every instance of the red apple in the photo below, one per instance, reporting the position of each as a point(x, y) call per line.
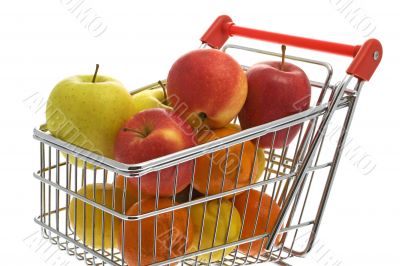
point(274, 93)
point(207, 87)
point(151, 134)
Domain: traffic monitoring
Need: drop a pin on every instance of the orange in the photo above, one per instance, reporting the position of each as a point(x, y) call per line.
point(130, 190)
point(182, 233)
point(223, 162)
point(260, 154)
point(265, 223)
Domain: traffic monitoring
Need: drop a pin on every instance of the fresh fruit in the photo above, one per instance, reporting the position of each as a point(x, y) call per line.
point(81, 214)
point(234, 126)
point(88, 111)
point(264, 220)
point(182, 233)
point(276, 90)
point(260, 162)
point(260, 154)
point(147, 99)
point(130, 190)
point(150, 134)
point(225, 163)
point(207, 87)
point(228, 229)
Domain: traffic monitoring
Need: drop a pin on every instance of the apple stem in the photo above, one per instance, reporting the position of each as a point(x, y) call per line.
point(283, 47)
point(202, 116)
point(95, 73)
point(43, 128)
point(133, 130)
point(147, 131)
point(164, 90)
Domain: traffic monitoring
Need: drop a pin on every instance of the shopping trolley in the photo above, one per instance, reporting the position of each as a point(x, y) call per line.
point(298, 177)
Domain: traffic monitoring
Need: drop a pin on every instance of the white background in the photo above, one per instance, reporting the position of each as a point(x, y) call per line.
point(43, 42)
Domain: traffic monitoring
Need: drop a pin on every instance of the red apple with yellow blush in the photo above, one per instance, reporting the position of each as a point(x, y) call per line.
point(151, 134)
point(207, 87)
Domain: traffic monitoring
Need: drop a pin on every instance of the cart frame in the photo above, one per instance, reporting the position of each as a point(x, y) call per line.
point(289, 172)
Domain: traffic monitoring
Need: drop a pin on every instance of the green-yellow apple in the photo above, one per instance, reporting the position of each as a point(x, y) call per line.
point(89, 114)
point(207, 87)
point(150, 134)
point(149, 99)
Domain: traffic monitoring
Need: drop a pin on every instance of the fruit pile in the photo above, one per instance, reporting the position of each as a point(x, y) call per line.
point(205, 91)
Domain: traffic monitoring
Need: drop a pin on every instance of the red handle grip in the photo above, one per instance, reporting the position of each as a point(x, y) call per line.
point(366, 57)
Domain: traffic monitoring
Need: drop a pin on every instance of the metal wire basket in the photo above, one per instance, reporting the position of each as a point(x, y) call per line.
point(298, 177)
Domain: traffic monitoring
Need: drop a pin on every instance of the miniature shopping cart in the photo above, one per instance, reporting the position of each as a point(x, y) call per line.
point(298, 177)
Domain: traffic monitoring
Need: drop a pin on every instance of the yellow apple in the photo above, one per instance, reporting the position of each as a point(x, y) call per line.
point(222, 236)
point(89, 114)
point(78, 210)
point(260, 163)
point(152, 98)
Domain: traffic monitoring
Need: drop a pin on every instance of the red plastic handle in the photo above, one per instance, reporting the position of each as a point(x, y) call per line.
point(366, 57)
